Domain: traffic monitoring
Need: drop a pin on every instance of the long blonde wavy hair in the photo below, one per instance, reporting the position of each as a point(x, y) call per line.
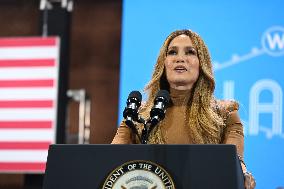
point(203, 122)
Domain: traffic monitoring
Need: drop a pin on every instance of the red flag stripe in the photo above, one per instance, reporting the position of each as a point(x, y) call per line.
point(26, 104)
point(28, 63)
point(7, 166)
point(27, 83)
point(25, 124)
point(24, 145)
point(27, 42)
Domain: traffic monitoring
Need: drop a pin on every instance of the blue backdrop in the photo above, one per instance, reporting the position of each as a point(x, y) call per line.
point(246, 42)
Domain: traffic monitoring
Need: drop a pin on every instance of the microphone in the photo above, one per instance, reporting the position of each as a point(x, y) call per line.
point(130, 112)
point(158, 111)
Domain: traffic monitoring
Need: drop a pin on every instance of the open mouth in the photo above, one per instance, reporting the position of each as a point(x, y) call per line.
point(180, 69)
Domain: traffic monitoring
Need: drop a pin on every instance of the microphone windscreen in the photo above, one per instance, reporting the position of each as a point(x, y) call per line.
point(165, 94)
point(135, 94)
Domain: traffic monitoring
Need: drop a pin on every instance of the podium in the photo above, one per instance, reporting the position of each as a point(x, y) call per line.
point(101, 166)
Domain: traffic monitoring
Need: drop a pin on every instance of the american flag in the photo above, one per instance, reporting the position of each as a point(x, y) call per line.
point(28, 102)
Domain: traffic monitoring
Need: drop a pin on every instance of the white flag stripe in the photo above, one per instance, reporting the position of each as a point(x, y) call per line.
point(25, 135)
point(24, 156)
point(35, 52)
point(27, 73)
point(35, 114)
point(28, 94)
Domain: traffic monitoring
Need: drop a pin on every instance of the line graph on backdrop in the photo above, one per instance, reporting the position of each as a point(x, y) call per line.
point(272, 44)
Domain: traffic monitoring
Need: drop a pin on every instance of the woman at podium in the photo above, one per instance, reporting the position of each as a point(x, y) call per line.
point(194, 115)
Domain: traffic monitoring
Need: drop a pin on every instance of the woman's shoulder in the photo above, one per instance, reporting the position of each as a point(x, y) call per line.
point(225, 107)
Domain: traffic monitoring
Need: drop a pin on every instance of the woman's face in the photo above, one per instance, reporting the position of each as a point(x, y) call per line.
point(182, 63)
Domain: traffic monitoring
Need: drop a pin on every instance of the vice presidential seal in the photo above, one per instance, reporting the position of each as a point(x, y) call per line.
point(139, 174)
